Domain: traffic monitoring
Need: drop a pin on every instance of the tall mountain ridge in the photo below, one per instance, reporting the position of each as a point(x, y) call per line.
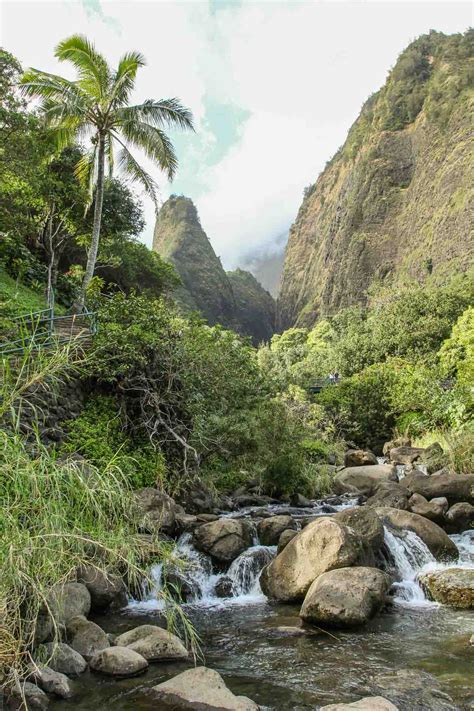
point(234, 299)
point(395, 204)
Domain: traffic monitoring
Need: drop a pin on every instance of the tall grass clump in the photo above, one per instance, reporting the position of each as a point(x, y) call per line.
point(55, 516)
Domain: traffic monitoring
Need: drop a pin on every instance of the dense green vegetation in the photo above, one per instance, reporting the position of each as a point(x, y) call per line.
point(406, 362)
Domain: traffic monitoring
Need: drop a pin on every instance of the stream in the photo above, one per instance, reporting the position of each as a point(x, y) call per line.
point(244, 638)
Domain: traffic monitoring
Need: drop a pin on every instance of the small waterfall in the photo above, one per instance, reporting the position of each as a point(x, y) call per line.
point(410, 554)
point(245, 570)
point(203, 587)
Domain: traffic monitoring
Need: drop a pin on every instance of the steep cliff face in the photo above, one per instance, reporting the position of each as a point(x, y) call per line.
point(395, 203)
point(180, 239)
point(234, 299)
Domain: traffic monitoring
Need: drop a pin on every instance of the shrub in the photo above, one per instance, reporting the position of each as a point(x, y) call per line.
point(99, 434)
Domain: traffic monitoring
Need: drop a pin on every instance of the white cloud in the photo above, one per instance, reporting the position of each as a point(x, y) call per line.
point(302, 70)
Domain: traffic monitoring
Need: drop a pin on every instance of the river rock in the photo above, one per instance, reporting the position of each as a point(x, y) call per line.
point(393, 443)
point(52, 682)
point(406, 455)
point(186, 522)
point(323, 545)
point(450, 586)
point(35, 698)
point(270, 529)
point(86, 637)
point(62, 658)
point(285, 537)
point(363, 480)
point(153, 643)
point(433, 458)
point(224, 539)
point(412, 690)
point(155, 511)
point(300, 502)
point(106, 589)
point(118, 661)
point(68, 601)
point(434, 509)
point(368, 703)
point(200, 688)
point(456, 488)
point(459, 517)
point(391, 494)
point(224, 587)
point(359, 458)
point(365, 522)
point(198, 498)
point(437, 540)
point(346, 597)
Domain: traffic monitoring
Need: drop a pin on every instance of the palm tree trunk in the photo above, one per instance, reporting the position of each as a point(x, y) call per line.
point(94, 248)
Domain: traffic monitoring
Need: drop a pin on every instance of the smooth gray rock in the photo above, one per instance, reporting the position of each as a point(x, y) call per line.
point(346, 597)
point(106, 590)
point(68, 601)
point(119, 661)
point(224, 539)
point(153, 643)
point(86, 637)
point(35, 698)
point(62, 658)
point(200, 689)
point(270, 529)
point(52, 682)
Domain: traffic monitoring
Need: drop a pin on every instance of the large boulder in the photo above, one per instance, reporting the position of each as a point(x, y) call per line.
point(200, 688)
point(406, 455)
point(450, 586)
point(106, 589)
point(391, 494)
point(412, 690)
point(346, 597)
point(118, 661)
point(368, 703)
point(359, 458)
point(434, 509)
point(433, 458)
point(52, 682)
point(437, 540)
point(270, 529)
point(86, 637)
point(365, 522)
point(223, 539)
point(62, 658)
point(154, 510)
point(68, 601)
point(322, 545)
point(363, 480)
point(153, 643)
point(459, 517)
point(455, 487)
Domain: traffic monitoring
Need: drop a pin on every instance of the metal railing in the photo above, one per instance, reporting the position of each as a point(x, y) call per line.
point(43, 328)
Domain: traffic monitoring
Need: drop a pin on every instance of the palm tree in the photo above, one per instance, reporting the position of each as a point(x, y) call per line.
point(96, 107)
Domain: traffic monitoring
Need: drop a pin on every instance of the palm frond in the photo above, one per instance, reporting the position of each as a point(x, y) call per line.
point(93, 70)
point(154, 143)
point(35, 83)
point(133, 169)
point(169, 112)
point(124, 79)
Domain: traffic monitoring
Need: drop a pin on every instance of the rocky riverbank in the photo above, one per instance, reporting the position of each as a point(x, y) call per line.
point(341, 560)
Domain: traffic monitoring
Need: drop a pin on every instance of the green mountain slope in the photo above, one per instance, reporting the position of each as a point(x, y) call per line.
point(395, 203)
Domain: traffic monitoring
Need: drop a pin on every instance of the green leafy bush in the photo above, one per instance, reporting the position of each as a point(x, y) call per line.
point(100, 436)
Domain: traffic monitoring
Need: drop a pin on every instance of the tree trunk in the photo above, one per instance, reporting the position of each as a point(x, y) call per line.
point(94, 248)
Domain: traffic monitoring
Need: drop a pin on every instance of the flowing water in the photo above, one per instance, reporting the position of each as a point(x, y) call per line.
point(263, 652)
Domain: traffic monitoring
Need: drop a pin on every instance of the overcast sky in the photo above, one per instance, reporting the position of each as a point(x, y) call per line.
point(274, 87)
